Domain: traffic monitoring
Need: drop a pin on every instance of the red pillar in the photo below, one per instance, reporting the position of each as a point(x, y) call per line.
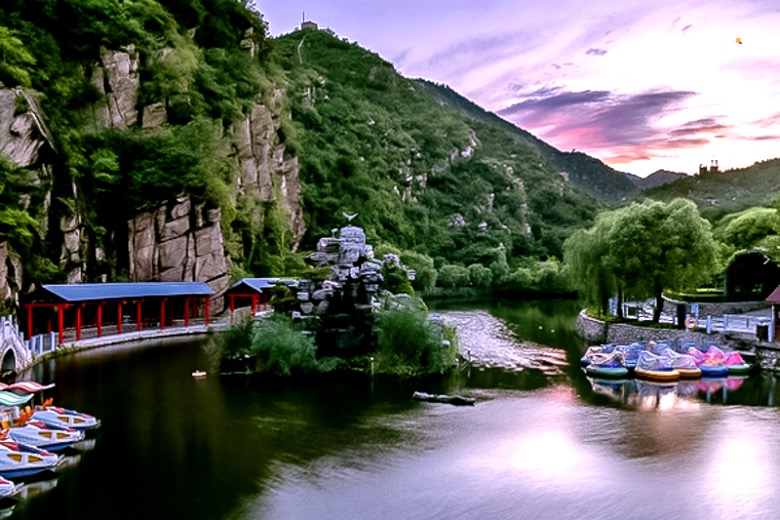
point(138, 319)
point(206, 310)
point(61, 320)
point(29, 320)
point(119, 317)
point(78, 322)
point(232, 307)
point(162, 313)
point(100, 318)
point(255, 299)
point(265, 300)
point(187, 311)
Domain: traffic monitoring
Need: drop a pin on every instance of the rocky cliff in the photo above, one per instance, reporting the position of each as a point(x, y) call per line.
point(179, 241)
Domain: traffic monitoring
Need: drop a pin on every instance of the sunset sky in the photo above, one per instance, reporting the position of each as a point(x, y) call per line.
point(642, 85)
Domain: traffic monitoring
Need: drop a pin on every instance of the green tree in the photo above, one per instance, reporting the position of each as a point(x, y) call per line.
point(747, 229)
point(15, 59)
point(656, 246)
point(453, 276)
point(480, 276)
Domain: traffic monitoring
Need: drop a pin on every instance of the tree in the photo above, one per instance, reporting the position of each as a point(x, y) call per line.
point(480, 276)
point(643, 249)
point(586, 254)
point(453, 276)
point(655, 246)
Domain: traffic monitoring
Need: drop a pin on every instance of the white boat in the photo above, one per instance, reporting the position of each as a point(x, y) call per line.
point(20, 460)
point(7, 488)
point(41, 435)
point(56, 416)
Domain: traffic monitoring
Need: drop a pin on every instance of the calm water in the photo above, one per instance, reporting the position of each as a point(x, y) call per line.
point(542, 442)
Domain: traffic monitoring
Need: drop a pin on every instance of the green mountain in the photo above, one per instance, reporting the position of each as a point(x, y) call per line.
point(586, 172)
point(422, 174)
point(730, 191)
point(655, 179)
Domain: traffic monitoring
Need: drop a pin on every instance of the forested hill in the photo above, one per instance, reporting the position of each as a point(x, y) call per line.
point(421, 174)
point(584, 171)
point(729, 191)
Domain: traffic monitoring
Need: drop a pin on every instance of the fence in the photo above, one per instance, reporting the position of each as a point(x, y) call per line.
point(739, 323)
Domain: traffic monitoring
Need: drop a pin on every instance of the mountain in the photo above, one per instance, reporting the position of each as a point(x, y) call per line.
point(655, 179)
point(584, 171)
point(730, 191)
point(421, 173)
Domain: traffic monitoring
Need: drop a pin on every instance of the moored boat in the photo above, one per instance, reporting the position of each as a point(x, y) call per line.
point(40, 435)
point(54, 416)
point(684, 364)
point(20, 460)
point(606, 365)
point(655, 368)
point(710, 363)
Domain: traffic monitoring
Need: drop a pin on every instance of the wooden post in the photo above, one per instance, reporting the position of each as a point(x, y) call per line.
point(78, 322)
point(29, 320)
point(119, 317)
point(162, 313)
point(100, 318)
point(138, 320)
point(61, 322)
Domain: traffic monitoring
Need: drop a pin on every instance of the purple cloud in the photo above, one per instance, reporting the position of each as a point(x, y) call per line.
point(686, 27)
point(595, 52)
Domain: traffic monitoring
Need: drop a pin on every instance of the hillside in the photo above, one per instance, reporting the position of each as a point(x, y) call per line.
point(420, 174)
point(729, 191)
point(585, 172)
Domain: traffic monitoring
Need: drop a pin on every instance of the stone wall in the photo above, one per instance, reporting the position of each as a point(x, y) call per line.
point(179, 242)
point(597, 331)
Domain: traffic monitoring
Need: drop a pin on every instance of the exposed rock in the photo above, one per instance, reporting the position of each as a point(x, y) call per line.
point(154, 116)
point(180, 242)
point(117, 78)
point(10, 275)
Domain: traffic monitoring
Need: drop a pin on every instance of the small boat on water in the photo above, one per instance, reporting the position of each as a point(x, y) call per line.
point(710, 362)
point(684, 364)
point(40, 435)
point(53, 416)
point(7, 488)
point(20, 460)
point(609, 365)
point(655, 368)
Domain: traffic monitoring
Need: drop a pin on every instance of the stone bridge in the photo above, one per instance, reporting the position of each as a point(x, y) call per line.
point(14, 354)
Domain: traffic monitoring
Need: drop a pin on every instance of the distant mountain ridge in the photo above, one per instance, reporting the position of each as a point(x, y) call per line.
point(585, 172)
point(655, 179)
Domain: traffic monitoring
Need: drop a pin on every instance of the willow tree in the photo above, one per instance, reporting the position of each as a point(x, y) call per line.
point(586, 255)
point(642, 250)
point(655, 246)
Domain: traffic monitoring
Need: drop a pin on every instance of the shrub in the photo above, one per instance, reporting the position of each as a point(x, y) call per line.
point(407, 344)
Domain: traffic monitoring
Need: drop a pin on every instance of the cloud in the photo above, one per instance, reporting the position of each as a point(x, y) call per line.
point(624, 127)
point(686, 27)
point(595, 52)
point(768, 121)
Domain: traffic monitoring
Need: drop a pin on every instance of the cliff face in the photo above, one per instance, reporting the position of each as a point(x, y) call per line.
point(180, 240)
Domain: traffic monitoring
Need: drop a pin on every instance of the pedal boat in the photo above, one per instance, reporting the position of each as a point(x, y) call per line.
point(710, 363)
point(684, 364)
point(53, 416)
point(21, 460)
point(40, 435)
point(655, 368)
point(7, 488)
point(606, 365)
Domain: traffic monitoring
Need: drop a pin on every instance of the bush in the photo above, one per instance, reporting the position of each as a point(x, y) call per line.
point(407, 344)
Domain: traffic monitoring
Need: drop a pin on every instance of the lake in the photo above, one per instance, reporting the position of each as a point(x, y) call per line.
point(543, 441)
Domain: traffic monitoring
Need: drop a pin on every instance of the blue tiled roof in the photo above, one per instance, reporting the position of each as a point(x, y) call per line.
point(114, 291)
point(258, 284)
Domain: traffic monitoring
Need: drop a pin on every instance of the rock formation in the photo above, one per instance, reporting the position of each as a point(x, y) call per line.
point(179, 242)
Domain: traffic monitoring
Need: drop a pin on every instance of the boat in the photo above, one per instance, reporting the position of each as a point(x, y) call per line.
point(12, 399)
point(595, 349)
point(609, 365)
point(7, 488)
point(199, 374)
point(631, 354)
point(733, 361)
point(21, 460)
point(710, 362)
point(53, 416)
point(655, 368)
point(41, 435)
point(684, 364)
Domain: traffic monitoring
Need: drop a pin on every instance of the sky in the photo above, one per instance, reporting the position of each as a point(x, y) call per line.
point(641, 85)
